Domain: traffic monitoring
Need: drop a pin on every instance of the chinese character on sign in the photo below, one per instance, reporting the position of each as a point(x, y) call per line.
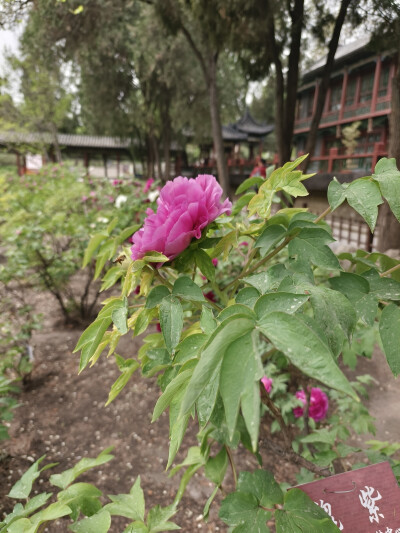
point(368, 501)
point(328, 509)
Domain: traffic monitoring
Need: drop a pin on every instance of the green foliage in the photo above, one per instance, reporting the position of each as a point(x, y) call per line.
point(277, 304)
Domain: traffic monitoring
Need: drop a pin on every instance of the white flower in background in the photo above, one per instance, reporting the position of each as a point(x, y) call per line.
point(102, 220)
point(120, 199)
point(153, 195)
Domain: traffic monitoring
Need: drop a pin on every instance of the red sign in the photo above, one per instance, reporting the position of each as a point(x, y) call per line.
point(361, 501)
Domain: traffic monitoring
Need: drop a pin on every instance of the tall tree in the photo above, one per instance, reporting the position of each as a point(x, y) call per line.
point(208, 28)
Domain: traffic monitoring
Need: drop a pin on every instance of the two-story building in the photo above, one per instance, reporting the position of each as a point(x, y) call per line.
point(359, 92)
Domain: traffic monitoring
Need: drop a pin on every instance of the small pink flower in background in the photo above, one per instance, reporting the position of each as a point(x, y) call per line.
point(84, 198)
point(149, 183)
point(115, 183)
point(110, 198)
point(244, 243)
point(210, 296)
point(214, 261)
point(137, 290)
point(18, 231)
point(319, 404)
point(92, 194)
point(267, 382)
point(158, 327)
point(184, 208)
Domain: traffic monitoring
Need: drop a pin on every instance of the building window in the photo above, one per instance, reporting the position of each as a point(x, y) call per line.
point(384, 80)
point(367, 84)
point(351, 91)
point(336, 94)
point(305, 103)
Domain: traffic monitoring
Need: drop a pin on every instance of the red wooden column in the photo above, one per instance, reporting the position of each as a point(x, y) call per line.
point(375, 88)
point(333, 152)
point(343, 95)
point(391, 76)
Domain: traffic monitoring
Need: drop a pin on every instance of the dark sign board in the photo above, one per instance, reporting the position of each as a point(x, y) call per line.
point(361, 501)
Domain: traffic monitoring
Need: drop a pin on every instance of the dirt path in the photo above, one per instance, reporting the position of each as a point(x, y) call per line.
point(63, 416)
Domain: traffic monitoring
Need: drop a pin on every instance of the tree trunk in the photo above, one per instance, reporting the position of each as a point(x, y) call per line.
point(324, 85)
point(223, 176)
point(149, 158)
point(292, 79)
point(389, 233)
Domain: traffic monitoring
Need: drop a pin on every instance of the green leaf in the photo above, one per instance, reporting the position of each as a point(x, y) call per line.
point(127, 372)
point(389, 330)
point(126, 233)
point(98, 523)
point(136, 527)
point(356, 289)
point(305, 349)
point(111, 277)
point(269, 238)
point(94, 243)
point(311, 243)
point(156, 295)
point(215, 467)
point(383, 288)
point(155, 257)
point(334, 314)
point(93, 335)
point(187, 289)
point(364, 196)
point(177, 433)
point(171, 321)
point(32, 525)
point(106, 252)
point(269, 280)
point(155, 360)
point(190, 347)
point(254, 181)
point(241, 371)
point(248, 296)
point(207, 320)
point(65, 479)
point(81, 497)
point(279, 301)
point(300, 514)
point(242, 202)
point(388, 177)
point(325, 435)
point(171, 390)
point(157, 519)
point(236, 309)
point(336, 194)
point(130, 505)
point(205, 264)
point(23, 486)
point(119, 316)
point(212, 354)
point(242, 509)
point(262, 484)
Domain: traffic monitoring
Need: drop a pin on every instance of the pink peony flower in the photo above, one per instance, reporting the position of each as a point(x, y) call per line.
point(267, 382)
point(149, 183)
point(115, 183)
point(185, 208)
point(319, 404)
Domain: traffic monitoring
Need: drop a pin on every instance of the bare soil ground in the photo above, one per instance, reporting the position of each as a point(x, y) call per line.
point(62, 415)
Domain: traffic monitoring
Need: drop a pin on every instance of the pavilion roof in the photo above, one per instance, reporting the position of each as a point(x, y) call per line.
point(248, 125)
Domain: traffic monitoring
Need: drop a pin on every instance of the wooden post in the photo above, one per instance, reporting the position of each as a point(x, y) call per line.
point(86, 162)
point(105, 165)
point(333, 152)
point(118, 160)
point(343, 95)
point(375, 88)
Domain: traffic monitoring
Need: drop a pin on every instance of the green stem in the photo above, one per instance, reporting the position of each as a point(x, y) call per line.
point(232, 463)
point(262, 261)
point(250, 258)
point(323, 215)
point(163, 280)
point(387, 272)
point(268, 354)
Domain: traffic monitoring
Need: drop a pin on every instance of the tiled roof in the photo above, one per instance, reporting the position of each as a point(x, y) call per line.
point(230, 133)
point(342, 52)
point(64, 139)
